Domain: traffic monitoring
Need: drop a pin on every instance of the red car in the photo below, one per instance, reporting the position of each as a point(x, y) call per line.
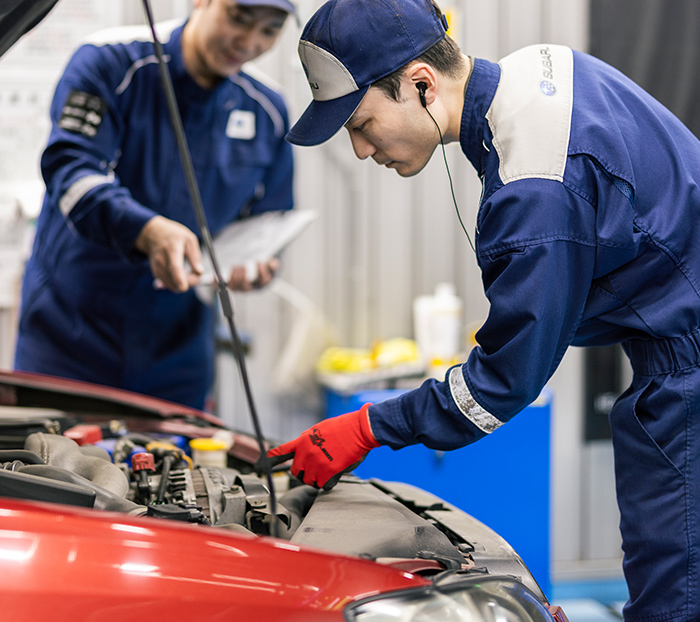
point(105, 516)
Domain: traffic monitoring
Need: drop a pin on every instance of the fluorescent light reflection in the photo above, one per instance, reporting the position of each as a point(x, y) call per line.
point(139, 569)
point(17, 546)
point(228, 548)
point(133, 529)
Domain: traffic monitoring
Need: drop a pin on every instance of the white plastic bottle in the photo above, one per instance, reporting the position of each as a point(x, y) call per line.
point(438, 326)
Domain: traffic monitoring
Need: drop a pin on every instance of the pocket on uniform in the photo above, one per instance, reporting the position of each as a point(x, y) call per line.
point(659, 422)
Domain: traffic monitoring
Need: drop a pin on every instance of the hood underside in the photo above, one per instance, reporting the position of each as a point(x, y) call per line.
point(17, 17)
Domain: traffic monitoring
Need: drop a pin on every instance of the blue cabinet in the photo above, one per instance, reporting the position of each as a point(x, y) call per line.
point(503, 479)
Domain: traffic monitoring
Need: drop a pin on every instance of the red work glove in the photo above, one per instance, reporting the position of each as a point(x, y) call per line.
point(328, 449)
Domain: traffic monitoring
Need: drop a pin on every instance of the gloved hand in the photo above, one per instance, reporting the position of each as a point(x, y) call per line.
point(328, 449)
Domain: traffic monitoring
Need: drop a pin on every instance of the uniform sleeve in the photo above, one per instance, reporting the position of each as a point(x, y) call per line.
point(83, 148)
point(536, 249)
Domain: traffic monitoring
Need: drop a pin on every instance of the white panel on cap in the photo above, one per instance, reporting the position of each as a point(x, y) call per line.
point(328, 77)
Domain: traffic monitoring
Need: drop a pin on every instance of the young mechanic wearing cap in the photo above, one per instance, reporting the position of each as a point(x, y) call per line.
point(116, 201)
point(588, 233)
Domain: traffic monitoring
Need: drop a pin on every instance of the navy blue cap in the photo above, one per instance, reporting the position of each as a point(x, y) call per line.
point(285, 5)
point(347, 46)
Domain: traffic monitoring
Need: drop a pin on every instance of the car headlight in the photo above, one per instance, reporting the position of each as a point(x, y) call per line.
point(486, 599)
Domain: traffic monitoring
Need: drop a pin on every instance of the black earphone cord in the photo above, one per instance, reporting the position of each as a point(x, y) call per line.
point(422, 86)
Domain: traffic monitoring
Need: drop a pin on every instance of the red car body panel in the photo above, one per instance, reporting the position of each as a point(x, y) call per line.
point(67, 564)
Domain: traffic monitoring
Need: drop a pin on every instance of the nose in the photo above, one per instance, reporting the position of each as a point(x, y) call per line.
point(249, 41)
point(362, 147)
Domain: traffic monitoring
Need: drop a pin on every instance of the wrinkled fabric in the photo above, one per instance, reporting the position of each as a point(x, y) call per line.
point(608, 252)
point(89, 309)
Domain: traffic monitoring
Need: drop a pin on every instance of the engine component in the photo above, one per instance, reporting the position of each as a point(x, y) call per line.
point(143, 464)
point(381, 528)
point(89, 461)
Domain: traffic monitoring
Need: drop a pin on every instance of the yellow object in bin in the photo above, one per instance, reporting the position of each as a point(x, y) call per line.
point(395, 352)
point(345, 360)
point(384, 354)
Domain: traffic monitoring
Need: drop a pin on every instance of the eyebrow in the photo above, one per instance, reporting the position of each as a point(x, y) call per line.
point(352, 120)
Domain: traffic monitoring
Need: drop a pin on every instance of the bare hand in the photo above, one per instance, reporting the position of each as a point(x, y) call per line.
point(168, 244)
point(240, 281)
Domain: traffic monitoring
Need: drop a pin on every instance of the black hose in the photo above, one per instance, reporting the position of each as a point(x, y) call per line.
point(168, 462)
point(28, 457)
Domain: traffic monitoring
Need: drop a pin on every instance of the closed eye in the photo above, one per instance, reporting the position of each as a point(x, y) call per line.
point(360, 128)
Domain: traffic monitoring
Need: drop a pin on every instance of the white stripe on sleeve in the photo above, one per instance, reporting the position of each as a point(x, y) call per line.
point(79, 189)
point(468, 406)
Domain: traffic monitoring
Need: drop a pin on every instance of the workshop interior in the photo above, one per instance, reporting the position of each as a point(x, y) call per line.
point(344, 322)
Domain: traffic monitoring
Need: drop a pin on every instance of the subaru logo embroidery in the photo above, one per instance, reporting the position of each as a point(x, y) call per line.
point(241, 125)
point(548, 88)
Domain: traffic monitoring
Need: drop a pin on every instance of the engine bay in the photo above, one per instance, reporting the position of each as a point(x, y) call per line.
point(116, 458)
point(146, 475)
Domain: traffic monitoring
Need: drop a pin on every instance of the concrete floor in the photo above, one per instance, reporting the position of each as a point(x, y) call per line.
point(591, 601)
point(590, 610)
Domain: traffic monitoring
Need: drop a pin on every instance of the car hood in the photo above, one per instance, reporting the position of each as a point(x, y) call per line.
point(17, 17)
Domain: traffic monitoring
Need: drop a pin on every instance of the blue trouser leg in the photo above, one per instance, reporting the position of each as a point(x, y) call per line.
point(656, 431)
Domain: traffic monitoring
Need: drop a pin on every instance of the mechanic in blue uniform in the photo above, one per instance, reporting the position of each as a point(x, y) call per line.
point(117, 216)
point(588, 233)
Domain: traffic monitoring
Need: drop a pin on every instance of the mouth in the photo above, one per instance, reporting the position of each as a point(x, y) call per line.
point(233, 59)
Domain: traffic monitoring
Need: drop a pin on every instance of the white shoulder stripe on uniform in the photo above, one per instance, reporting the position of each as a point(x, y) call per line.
point(141, 62)
point(468, 406)
point(131, 34)
point(530, 115)
point(263, 100)
point(80, 188)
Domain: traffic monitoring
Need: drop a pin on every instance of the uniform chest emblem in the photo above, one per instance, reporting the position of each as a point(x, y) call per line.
point(241, 125)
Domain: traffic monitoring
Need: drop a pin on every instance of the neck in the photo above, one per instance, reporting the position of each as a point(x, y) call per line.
point(194, 65)
point(455, 102)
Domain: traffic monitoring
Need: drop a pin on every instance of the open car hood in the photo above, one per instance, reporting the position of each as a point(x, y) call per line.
point(17, 17)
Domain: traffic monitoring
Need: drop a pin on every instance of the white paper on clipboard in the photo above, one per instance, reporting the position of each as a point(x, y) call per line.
point(256, 238)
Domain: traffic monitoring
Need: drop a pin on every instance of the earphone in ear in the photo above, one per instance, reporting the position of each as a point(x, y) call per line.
point(422, 87)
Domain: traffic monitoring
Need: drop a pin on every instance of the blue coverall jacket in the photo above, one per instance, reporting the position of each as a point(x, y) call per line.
point(89, 309)
point(588, 233)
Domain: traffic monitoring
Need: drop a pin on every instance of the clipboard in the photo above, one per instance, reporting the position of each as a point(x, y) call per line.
point(256, 238)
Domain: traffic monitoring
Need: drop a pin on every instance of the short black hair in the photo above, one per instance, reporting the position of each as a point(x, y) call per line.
point(445, 57)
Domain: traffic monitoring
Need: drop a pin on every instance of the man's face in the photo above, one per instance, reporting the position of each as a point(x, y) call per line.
point(224, 35)
point(398, 135)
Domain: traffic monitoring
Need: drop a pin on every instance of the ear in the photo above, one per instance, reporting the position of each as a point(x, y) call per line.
point(422, 72)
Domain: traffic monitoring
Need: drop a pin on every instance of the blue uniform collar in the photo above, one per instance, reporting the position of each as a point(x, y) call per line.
point(481, 89)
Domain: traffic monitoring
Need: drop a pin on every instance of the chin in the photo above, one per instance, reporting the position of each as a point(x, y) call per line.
point(408, 171)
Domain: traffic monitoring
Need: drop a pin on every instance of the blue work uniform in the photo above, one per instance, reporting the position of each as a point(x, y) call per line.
point(588, 233)
point(89, 307)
